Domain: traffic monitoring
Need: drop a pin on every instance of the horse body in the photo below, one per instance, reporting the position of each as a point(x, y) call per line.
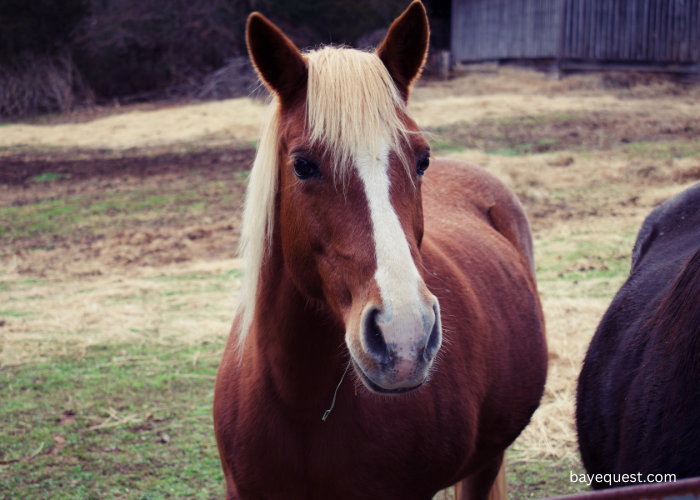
point(362, 262)
point(637, 405)
point(475, 404)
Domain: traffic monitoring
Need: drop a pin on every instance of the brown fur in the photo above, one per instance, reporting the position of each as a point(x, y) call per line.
point(318, 272)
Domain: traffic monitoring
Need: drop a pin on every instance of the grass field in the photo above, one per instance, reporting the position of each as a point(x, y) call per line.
point(117, 292)
point(113, 422)
point(135, 422)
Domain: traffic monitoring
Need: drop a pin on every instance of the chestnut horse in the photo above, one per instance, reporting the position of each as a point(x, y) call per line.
point(638, 401)
point(357, 265)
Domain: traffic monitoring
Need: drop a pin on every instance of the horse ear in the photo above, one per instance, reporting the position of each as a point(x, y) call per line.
point(405, 47)
point(276, 59)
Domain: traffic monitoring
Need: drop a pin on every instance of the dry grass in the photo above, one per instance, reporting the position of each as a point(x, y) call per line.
point(570, 326)
point(564, 186)
point(178, 304)
point(443, 111)
point(220, 121)
point(470, 99)
point(521, 81)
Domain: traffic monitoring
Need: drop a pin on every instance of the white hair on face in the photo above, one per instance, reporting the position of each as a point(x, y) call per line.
point(351, 103)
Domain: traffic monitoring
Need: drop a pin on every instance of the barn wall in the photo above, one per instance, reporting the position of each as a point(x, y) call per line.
point(632, 30)
point(657, 31)
point(505, 29)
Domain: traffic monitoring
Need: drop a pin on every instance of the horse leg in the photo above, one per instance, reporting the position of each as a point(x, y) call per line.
point(487, 484)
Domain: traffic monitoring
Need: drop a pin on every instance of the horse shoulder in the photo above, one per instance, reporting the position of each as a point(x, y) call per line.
point(456, 185)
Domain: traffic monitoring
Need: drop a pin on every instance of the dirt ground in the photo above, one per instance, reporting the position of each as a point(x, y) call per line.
point(109, 219)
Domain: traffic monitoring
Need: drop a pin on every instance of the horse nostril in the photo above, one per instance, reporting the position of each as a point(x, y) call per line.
point(374, 338)
point(434, 340)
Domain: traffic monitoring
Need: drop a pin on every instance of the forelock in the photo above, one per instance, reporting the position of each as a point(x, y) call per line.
point(351, 103)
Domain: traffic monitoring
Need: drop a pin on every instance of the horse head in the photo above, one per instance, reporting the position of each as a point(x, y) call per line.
point(346, 210)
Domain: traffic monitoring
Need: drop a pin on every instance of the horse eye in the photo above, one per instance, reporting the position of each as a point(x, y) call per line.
point(304, 169)
point(423, 164)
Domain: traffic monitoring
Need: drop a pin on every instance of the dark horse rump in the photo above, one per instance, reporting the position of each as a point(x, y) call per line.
point(638, 401)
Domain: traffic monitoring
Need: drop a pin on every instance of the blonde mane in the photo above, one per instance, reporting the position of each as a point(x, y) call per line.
point(351, 102)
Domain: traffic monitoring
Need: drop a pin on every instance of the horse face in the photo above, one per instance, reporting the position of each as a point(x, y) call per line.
point(351, 225)
point(354, 243)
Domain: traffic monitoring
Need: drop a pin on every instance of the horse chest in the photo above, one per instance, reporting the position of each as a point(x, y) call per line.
point(354, 454)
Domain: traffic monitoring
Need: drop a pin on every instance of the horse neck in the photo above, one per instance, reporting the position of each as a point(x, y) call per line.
point(299, 344)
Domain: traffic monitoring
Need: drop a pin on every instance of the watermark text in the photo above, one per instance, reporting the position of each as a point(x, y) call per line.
point(611, 479)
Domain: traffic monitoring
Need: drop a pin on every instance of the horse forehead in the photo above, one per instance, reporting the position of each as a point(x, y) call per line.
point(293, 123)
point(297, 137)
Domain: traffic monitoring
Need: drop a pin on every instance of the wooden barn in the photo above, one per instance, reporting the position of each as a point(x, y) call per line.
point(567, 35)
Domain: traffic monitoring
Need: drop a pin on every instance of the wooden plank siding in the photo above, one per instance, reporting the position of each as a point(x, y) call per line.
point(666, 31)
point(621, 31)
point(505, 29)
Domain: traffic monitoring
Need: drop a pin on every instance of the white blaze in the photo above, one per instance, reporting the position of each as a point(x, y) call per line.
point(397, 275)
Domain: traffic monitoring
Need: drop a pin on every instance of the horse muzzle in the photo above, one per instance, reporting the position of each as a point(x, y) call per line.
point(397, 346)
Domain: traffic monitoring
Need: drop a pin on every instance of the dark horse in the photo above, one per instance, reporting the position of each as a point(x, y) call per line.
point(638, 402)
point(358, 259)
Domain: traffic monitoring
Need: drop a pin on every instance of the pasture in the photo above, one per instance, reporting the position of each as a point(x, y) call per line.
point(118, 275)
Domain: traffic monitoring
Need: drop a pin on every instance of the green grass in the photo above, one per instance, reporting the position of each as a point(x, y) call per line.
point(515, 136)
point(20, 285)
point(497, 145)
point(198, 276)
point(663, 150)
point(61, 421)
point(13, 314)
point(77, 216)
point(242, 176)
point(49, 176)
point(60, 429)
point(51, 415)
point(498, 136)
point(542, 479)
point(600, 264)
point(507, 151)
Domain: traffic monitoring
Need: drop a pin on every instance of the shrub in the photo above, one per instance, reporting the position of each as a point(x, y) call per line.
point(139, 50)
point(33, 84)
point(127, 47)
